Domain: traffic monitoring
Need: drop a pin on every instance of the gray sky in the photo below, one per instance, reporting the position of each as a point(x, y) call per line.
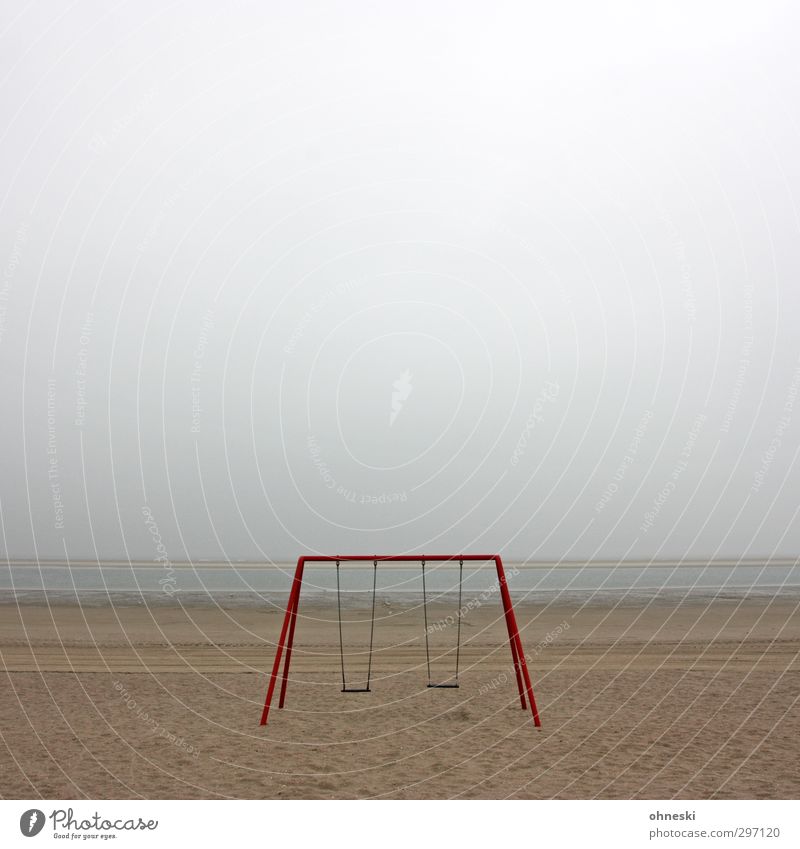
point(343, 277)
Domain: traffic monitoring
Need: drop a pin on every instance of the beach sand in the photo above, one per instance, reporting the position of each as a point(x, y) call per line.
point(649, 700)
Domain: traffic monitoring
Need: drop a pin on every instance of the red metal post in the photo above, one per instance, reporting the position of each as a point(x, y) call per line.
point(511, 620)
point(512, 640)
point(293, 596)
point(515, 657)
point(290, 641)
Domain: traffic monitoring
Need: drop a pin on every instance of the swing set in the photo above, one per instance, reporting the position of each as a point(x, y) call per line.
point(286, 639)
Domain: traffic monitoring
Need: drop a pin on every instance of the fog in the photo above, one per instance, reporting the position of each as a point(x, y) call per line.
point(309, 277)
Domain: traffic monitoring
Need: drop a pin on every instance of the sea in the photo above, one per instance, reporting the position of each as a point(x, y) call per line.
point(240, 583)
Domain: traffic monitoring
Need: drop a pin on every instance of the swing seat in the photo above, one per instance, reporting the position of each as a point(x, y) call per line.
point(356, 690)
point(443, 686)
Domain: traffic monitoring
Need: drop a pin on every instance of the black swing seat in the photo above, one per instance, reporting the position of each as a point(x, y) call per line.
point(443, 686)
point(356, 690)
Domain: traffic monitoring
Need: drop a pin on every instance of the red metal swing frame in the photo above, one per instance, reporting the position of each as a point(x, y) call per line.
point(286, 639)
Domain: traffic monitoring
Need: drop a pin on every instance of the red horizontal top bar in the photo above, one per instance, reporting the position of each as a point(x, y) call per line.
point(415, 558)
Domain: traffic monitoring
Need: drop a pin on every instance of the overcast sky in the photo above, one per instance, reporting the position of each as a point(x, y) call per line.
point(291, 277)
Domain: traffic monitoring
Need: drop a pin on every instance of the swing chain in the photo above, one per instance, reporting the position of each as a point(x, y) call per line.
point(425, 615)
point(345, 688)
point(454, 685)
point(372, 620)
point(458, 634)
point(341, 639)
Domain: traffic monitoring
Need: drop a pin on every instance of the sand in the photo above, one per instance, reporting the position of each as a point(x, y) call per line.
point(650, 700)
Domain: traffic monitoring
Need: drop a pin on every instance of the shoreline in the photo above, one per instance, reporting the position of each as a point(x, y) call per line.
point(361, 600)
point(246, 585)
